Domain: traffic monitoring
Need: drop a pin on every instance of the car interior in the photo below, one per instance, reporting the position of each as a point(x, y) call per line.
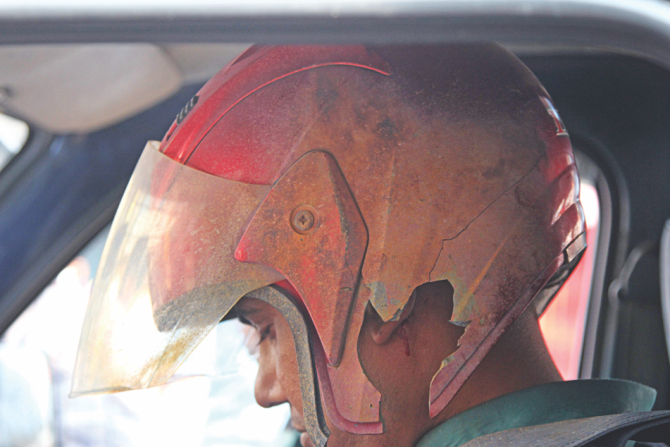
point(87, 92)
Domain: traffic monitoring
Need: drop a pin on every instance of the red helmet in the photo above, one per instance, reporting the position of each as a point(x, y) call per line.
point(341, 176)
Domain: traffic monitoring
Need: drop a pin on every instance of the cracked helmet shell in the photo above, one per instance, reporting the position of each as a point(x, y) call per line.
point(453, 154)
point(405, 164)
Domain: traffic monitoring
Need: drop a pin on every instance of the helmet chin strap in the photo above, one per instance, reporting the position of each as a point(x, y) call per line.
point(315, 421)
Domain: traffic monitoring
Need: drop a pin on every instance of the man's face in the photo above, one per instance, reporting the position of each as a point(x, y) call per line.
point(415, 350)
point(277, 381)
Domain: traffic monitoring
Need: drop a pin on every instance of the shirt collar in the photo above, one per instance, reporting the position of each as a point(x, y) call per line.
point(542, 404)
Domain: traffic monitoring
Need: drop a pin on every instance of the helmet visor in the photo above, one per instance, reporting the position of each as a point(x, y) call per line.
point(167, 276)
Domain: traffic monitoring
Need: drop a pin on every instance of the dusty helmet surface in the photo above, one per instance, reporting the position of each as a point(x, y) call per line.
point(340, 176)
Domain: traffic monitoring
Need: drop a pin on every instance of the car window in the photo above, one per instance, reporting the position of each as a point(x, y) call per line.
point(13, 136)
point(564, 320)
point(209, 401)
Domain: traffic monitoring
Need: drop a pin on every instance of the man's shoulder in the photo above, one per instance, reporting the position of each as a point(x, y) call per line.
point(602, 431)
point(548, 410)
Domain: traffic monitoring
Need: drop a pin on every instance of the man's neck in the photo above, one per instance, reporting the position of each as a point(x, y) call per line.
point(519, 360)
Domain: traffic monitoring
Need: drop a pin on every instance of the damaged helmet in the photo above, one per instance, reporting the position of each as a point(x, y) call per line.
point(325, 179)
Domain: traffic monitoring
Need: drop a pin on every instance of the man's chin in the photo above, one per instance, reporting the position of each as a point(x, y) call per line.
point(305, 440)
point(298, 423)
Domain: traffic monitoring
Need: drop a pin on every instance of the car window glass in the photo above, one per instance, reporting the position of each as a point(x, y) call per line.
point(209, 402)
point(13, 136)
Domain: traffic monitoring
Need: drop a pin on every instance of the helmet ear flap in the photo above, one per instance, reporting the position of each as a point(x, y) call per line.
point(311, 230)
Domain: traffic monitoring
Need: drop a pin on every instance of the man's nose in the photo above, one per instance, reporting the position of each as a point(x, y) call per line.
point(268, 390)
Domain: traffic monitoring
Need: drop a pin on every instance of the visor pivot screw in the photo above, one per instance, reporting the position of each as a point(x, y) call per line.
point(303, 219)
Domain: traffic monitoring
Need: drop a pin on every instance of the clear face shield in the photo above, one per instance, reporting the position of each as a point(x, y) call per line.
point(169, 275)
point(146, 316)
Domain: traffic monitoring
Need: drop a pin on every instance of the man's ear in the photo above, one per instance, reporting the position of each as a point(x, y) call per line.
point(382, 331)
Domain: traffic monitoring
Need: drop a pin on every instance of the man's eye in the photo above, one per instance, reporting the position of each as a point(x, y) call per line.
point(252, 336)
point(257, 334)
point(243, 320)
point(265, 333)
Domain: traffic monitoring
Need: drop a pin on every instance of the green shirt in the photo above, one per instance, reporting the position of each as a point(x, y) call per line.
point(542, 404)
